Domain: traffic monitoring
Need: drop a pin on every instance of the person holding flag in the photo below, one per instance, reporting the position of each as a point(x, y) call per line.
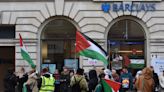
point(85, 46)
point(107, 85)
point(25, 55)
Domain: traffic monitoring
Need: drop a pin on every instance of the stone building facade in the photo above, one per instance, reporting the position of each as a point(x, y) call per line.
point(30, 18)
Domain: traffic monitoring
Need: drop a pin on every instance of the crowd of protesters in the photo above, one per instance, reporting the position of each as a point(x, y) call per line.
point(146, 80)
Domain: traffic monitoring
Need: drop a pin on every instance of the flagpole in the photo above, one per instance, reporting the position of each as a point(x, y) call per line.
point(75, 53)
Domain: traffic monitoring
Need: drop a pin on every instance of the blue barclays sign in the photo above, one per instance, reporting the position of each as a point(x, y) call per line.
point(106, 7)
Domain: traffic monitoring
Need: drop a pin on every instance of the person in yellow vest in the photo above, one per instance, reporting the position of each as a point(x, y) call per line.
point(47, 82)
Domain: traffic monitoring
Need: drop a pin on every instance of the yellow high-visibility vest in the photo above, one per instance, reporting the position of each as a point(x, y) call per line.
point(47, 84)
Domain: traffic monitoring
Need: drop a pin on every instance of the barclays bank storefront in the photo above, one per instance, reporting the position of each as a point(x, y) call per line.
point(131, 31)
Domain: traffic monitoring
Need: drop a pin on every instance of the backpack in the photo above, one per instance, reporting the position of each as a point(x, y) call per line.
point(76, 87)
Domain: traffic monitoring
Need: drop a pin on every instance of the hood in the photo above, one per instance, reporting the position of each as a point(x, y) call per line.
point(65, 73)
point(92, 74)
point(147, 73)
point(47, 75)
point(107, 72)
point(138, 73)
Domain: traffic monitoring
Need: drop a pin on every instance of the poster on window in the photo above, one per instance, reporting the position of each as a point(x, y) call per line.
point(158, 65)
point(51, 67)
point(44, 66)
point(71, 63)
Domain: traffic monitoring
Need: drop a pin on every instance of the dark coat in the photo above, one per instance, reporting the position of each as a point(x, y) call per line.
point(156, 80)
point(21, 81)
point(93, 80)
point(64, 81)
point(128, 76)
point(10, 81)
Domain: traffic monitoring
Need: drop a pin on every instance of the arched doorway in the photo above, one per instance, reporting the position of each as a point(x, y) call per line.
point(127, 45)
point(58, 44)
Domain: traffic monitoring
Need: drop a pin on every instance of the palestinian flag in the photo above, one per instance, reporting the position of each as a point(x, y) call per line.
point(110, 86)
point(85, 46)
point(25, 54)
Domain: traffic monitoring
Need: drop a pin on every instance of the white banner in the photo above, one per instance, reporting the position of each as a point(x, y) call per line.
point(137, 61)
point(158, 65)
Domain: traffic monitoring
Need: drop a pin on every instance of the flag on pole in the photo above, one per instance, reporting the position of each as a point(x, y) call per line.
point(110, 86)
point(25, 54)
point(85, 46)
point(24, 89)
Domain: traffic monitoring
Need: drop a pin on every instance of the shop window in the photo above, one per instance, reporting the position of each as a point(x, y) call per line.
point(7, 61)
point(58, 43)
point(7, 31)
point(126, 45)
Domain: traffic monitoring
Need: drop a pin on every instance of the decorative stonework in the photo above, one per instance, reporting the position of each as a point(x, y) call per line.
point(29, 17)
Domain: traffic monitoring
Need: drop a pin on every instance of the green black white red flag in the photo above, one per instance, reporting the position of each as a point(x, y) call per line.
point(85, 46)
point(110, 86)
point(25, 54)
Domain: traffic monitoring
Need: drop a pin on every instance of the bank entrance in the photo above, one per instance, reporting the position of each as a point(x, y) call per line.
point(58, 45)
point(126, 45)
point(7, 61)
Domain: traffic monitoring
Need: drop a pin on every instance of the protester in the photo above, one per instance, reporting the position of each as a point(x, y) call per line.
point(71, 73)
point(86, 77)
point(57, 80)
point(93, 80)
point(78, 82)
point(99, 87)
point(145, 82)
point(31, 83)
point(108, 74)
point(139, 73)
point(156, 80)
point(64, 80)
point(22, 78)
point(161, 82)
point(47, 82)
point(115, 75)
point(10, 81)
point(126, 80)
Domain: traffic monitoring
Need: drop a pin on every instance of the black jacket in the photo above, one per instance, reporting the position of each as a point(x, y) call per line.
point(156, 79)
point(21, 81)
point(93, 80)
point(10, 81)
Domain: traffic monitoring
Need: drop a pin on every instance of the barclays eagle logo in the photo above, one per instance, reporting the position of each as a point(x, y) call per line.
point(105, 7)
